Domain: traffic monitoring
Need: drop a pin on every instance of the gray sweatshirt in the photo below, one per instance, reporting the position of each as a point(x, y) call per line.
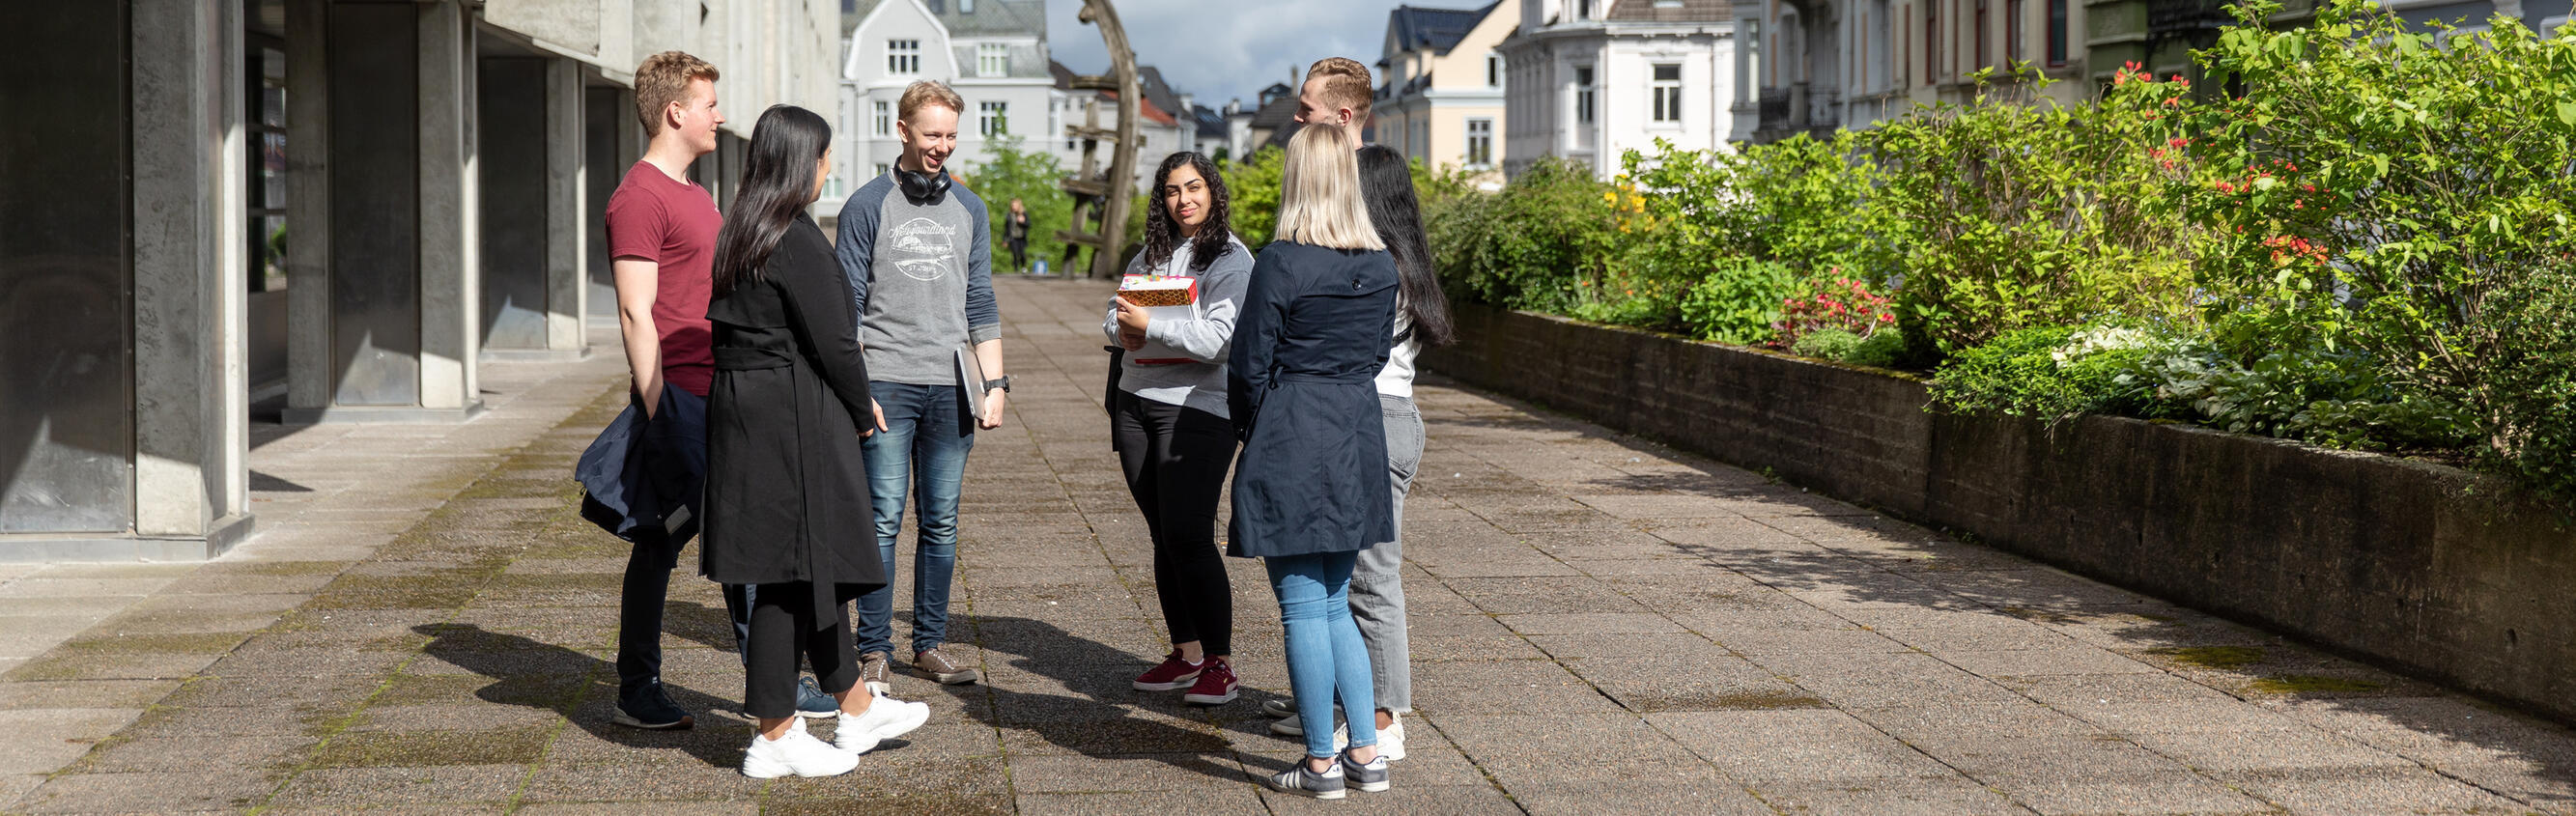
point(1200, 384)
point(921, 277)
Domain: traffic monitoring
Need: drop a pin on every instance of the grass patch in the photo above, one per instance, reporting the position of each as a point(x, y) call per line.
point(2314, 684)
point(1730, 701)
point(2212, 657)
point(281, 569)
point(376, 749)
point(190, 643)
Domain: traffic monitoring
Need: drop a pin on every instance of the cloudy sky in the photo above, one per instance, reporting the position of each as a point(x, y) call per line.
point(1223, 49)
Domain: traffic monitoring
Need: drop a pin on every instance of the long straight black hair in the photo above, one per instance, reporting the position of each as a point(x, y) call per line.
point(777, 183)
point(1386, 183)
point(1163, 230)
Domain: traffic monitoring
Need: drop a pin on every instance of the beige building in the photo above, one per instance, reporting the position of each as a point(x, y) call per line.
point(1440, 92)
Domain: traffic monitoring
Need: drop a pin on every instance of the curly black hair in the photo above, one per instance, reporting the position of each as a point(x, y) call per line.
point(1163, 234)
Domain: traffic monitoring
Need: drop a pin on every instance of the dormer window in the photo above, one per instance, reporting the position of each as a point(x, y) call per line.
point(903, 56)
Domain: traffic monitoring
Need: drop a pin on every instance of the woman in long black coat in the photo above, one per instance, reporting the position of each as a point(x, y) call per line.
point(1310, 487)
point(786, 491)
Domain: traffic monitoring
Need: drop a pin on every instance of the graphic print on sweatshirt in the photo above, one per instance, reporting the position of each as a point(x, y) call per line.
point(924, 249)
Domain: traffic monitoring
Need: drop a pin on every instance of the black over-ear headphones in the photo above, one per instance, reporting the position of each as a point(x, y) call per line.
point(922, 187)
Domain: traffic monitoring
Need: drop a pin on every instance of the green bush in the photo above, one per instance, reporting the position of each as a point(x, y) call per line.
point(1009, 171)
point(1803, 202)
point(1882, 349)
point(2333, 398)
point(1541, 242)
point(1254, 185)
point(2406, 194)
point(2028, 213)
point(1738, 301)
point(1827, 344)
point(2047, 372)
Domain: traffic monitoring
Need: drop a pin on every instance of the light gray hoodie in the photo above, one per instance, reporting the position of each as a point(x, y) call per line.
point(1200, 384)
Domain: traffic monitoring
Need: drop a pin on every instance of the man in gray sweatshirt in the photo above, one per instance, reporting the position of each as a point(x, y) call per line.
point(919, 256)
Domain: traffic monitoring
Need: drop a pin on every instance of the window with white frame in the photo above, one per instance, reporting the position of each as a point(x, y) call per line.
point(1583, 95)
point(884, 118)
point(903, 56)
point(992, 59)
point(993, 119)
point(1668, 93)
point(883, 168)
point(1480, 143)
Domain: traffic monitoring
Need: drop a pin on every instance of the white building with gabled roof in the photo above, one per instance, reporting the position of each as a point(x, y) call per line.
point(993, 52)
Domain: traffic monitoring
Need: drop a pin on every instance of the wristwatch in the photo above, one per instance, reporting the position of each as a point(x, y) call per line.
point(1003, 383)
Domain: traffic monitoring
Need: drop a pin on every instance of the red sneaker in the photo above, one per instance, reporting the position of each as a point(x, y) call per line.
point(1174, 673)
point(1214, 687)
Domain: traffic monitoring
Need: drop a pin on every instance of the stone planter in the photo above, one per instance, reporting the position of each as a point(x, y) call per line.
point(2408, 563)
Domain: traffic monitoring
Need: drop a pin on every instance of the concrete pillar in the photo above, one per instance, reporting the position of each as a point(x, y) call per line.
point(567, 198)
point(609, 139)
point(126, 448)
point(450, 289)
point(531, 179)
point(382, 319)
point(191, 285)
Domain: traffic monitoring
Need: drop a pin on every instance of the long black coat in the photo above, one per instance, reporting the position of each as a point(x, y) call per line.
point(787, 487)
point(1315, 328)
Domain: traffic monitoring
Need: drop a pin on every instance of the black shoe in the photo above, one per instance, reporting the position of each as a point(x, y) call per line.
point(651, 709)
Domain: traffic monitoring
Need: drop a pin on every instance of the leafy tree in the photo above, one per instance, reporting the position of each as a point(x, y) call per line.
point(1011, 170)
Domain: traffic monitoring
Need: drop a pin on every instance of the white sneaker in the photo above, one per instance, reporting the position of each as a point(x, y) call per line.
point(1390, 740)
point(795, 752)
point(885, 719)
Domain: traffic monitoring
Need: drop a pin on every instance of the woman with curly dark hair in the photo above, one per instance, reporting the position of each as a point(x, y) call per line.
point(1170, 424)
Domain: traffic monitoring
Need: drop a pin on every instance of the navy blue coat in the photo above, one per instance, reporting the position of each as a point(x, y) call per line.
point(1315, 328)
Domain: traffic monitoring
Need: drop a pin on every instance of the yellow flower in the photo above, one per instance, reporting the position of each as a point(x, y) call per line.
point(1609, 196)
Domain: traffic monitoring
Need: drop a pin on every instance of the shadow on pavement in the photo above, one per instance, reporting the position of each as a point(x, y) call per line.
point(1102, 718)
point(581, 688)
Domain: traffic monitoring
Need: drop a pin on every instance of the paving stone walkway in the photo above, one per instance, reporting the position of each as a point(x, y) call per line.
point(1599, 625)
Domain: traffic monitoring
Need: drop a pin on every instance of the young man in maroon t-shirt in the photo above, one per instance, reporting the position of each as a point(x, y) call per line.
point(662, 242)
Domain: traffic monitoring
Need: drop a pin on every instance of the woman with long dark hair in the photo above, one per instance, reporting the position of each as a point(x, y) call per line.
point(785, 484)
point(1169, 421)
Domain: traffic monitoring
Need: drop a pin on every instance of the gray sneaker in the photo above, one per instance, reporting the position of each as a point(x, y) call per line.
point(1303, 781)
point(1370, 777)
point(872, 671)
point(946, 671)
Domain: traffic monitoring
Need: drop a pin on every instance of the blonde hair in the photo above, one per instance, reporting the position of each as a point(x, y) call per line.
point(1319, 192)
point(663, 79)
point(1346, 85)
point(928, 92)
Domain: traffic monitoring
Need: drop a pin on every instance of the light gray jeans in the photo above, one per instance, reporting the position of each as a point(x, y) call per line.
point(1377, 587)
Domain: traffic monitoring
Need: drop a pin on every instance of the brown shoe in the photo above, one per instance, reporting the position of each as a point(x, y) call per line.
point(872, 671)
point(940, 668)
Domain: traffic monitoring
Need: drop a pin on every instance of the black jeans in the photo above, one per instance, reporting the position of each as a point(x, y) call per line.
point(640, 606)
point(783, 628)
point(1175, 459)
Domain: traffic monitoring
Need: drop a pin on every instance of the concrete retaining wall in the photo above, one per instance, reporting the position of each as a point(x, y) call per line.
point(2417, 565)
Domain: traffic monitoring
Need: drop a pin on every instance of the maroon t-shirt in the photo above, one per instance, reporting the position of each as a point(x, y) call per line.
point(675, 224)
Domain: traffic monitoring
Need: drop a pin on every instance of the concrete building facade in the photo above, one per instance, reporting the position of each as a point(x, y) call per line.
point(439, 166)
point(1588, 80)
point(1811, 66)
point(1441, 84)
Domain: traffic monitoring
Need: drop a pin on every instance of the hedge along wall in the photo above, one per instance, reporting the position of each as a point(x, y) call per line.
point(2383, 557)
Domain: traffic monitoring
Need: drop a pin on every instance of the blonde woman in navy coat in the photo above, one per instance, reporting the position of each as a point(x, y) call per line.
point(1310, 486)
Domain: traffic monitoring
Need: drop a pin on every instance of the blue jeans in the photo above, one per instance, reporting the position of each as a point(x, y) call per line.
point(1326, 658)
point(922, 448)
